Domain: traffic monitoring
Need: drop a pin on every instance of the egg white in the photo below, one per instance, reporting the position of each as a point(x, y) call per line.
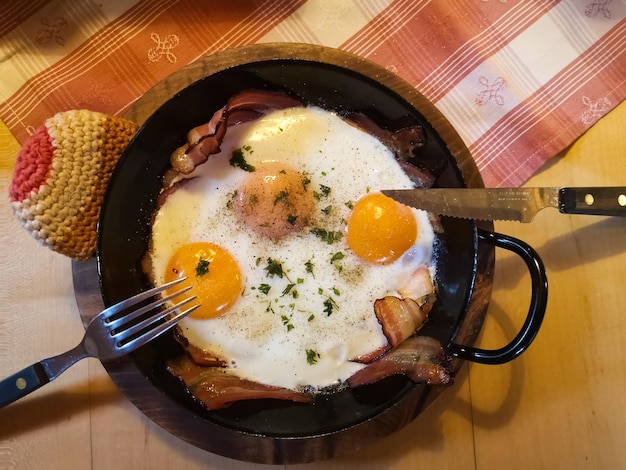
point(265, 337)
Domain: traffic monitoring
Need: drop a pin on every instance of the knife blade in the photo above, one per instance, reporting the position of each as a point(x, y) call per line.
point(521, 204)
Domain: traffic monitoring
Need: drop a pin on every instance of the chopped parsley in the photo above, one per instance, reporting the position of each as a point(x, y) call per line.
point(274, 268)
point(287, 322)
point(309, 267)
point(265, 288)
point(323, 192)
point(202, 267)
point(312, 356)
point(281, 197)
point(306, 181)
point(334, 260)
point(329, 306)
point(291, 219)
point(238, 160)
point(327, 210)
point(288, 289)
point(327, 236)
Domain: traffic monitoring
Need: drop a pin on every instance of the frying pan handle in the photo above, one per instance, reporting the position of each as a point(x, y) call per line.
point(538, 302)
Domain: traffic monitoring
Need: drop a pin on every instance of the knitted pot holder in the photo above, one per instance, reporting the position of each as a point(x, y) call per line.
point(60, 178)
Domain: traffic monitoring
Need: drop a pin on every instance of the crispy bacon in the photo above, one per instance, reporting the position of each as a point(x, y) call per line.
point(403, 316)
point(421, 358)
point(205, 140)
point(399, 318)
point(216, 388)
point(373, 355)
point(419, 286)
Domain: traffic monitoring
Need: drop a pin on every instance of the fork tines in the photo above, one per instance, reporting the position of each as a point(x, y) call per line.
point(132, 327)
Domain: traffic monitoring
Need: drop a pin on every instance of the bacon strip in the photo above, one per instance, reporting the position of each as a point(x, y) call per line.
point(216, 388)
point(399, 318)
point(205, 140)
point(421, 358)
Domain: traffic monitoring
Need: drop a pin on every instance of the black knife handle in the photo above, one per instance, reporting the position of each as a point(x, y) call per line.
point(593, 201)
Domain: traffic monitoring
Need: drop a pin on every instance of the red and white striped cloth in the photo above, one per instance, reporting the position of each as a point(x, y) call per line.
point(519, 79)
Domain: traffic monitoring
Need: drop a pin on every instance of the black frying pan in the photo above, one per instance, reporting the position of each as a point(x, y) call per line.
point(281, 432)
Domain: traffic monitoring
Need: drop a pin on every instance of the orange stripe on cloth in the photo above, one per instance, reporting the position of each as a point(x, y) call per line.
point(492, 36)
point(434, 45)
point(13, 13)
point(152, 39)
point(556, 115)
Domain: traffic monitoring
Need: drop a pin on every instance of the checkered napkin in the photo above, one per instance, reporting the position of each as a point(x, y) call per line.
point(520, 80)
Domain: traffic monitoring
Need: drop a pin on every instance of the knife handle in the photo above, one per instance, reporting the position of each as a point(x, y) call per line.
point(593, 201)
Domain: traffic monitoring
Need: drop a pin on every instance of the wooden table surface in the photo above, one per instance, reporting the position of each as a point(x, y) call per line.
point(562, 404)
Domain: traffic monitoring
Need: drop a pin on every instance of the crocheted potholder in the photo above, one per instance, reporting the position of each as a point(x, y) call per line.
point(60, 177)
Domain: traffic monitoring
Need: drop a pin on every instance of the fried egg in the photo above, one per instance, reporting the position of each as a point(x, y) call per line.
point(288, 242)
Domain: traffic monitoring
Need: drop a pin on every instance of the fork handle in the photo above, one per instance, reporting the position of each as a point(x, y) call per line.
point(22, 383)
point(36, 375)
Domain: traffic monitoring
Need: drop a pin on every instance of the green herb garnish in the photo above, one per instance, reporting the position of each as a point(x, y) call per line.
point(202, 267)
point(281, 197)
point(238, 160)
point(312, 356)
point(309, 267)
point(287, 289)
point(287, 322)
point(327, 236)
point(275, 268)
point(323, 192)
point(329, 306)
point(305, 181)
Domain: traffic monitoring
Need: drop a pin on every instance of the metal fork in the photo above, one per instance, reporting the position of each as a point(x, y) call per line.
point(114, 332)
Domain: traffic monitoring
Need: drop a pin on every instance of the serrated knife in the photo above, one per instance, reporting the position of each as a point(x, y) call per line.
point(521, 204)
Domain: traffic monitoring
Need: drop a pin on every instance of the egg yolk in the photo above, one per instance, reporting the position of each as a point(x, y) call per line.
point(379, 229)
point(212, 273)
point(274, 201)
